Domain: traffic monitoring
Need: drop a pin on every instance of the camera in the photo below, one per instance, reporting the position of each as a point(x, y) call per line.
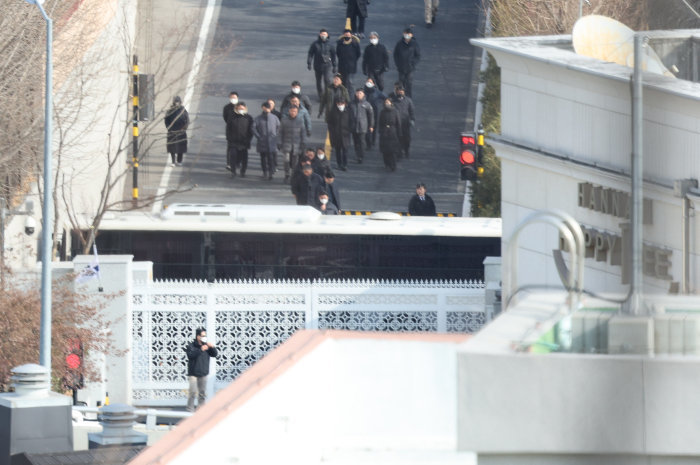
point(29, 226)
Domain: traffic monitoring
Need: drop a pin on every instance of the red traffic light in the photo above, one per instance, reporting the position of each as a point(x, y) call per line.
point(467, 157)
point(73, 361)
point(468, 140)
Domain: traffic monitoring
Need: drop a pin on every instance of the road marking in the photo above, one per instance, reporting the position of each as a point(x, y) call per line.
point(189, 92)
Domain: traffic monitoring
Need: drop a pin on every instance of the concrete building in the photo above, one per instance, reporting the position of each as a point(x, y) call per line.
point(565, 144)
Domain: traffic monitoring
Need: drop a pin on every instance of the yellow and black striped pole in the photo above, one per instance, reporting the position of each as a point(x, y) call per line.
point(135, 134)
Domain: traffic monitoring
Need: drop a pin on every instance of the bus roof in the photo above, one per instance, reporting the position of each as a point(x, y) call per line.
point(292, 219)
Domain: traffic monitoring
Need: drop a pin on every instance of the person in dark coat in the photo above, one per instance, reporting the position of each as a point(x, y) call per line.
point(304, 187)
point(361, 122)
point(357, 12)
point(229, 111)
point(322, 56)
point(266, 129)
point(331, 188)
point(303, 114)
point(296, 92)
point(348, 51)
point(198, 352)
point(339, 132)
point(406, 57)
point(375, 60)
point(404, 105)
point(323, 204)
point(335, 92)
point(376, 98)
point(239, 134)
point(323, 161)
point(421, 204)
point(389, 128)
point(176, 121)
point(292, 140)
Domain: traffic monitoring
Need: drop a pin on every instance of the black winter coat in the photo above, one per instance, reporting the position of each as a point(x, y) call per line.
point(389, 127)
point(321, 54)
point(333, 194)
point(177, 120)
point(375, 59)
point(198, 359)
point(339, 127)
point(405, 108)
point(361, 6)
point(303, 98)
point(306, 187)
point(376, 98)
point(239, 131)
point(406, 55)
point(331, 95)
point(292, 135)
point(418, 207)
point(348, 54)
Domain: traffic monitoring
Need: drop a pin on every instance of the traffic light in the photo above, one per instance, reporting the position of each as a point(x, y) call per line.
point(468, 157)
point(73, 376)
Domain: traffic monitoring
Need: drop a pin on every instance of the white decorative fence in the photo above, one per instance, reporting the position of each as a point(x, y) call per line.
point(247, 319)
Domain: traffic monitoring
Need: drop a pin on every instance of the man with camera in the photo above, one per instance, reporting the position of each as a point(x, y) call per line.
point(199, 352)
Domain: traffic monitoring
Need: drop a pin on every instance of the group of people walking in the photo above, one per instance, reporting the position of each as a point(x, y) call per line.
point(357, 117)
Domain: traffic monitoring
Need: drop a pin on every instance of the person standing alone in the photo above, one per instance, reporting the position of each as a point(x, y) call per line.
point(406, 57)
point(322, 57)
point(176, 121)
point(199, 352)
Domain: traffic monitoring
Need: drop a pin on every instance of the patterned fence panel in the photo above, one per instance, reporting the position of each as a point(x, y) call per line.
point(247, 319)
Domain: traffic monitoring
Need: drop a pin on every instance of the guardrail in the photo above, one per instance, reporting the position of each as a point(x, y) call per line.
point(151, 414)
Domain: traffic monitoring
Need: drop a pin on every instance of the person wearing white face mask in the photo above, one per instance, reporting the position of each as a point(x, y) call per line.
point(323, 205)
point(295, 92)
point(339, 132)
point(406, 57)
point(199, 352)
point(375, 60)
point(239, 133)
point(229, 111)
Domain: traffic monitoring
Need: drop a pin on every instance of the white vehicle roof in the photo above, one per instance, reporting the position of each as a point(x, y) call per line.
point(294, 219)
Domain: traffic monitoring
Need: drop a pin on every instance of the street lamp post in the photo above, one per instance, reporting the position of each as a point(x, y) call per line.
point(46, 244)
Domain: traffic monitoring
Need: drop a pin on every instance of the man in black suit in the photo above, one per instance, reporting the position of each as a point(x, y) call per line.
point(421, 204)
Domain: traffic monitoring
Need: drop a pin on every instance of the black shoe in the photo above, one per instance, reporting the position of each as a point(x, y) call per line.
point(269, 178)
point(428, 25)
point(344, 168)
point(242, 174)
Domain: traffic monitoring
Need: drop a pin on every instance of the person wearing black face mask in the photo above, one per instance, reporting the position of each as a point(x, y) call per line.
point(348, 52)
point(323, 58)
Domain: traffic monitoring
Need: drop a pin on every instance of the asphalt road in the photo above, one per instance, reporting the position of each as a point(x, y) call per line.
point(267, 42)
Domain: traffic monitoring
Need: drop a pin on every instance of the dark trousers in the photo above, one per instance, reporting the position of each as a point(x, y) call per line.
point(341, 156)
point(389, 159)
point(378, 79)
point(267, 162)
point(230, 155)
point(370, 139)
point(347, 82)
point(407, 81)
point(176, 158)
point(240, 159)
point(291, 160)
point(405, 139)
point(358, 139)
point(324, 76)
point(357, 22)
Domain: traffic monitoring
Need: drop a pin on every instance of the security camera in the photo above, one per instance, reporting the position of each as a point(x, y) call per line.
point(29, 225)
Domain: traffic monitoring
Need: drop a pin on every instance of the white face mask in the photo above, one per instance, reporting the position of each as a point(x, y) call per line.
point(369, 85)
point(374, 41)
point(234, 101)
point(407, 37)
point(203, 339)
point(321, 156)
point(323, 201)
point(341, 107)
point(296, 90)
point(242, 111)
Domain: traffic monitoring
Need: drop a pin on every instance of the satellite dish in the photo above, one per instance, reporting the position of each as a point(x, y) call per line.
point(604, 38)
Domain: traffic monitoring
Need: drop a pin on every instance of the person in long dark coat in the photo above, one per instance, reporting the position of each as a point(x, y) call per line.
point(239, 133)
point(266, 129)
point(404, 105)
point(406, 57)
point(376, 98)
point(357, 12)
point(176, 121)
point(389, 127)
point(348, 51)
point(361, 122)
point(339, 132)
point(334, 93)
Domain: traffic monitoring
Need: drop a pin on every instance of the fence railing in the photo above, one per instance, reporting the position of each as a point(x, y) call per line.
point(247, 319)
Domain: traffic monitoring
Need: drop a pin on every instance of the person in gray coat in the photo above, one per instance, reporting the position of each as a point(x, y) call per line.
point(361, 122)
point(266, 129)
point(293, 140)
point(303, 113)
